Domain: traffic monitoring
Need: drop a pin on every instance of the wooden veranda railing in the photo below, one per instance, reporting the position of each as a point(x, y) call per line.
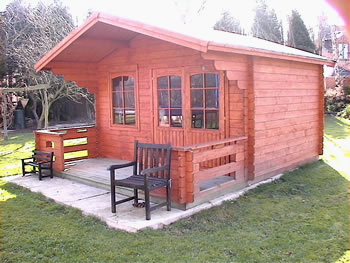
point(68, 144)
point(201, 163)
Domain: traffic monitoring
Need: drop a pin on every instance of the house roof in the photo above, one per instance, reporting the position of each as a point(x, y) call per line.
point(111, 33)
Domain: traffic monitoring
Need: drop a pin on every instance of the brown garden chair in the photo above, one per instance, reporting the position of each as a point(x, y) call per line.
point(151, 171)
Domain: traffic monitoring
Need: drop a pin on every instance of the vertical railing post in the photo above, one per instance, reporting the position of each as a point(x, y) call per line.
point(190, 188)
point(59, 153)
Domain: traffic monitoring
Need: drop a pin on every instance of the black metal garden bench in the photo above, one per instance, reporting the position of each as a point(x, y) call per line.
point(40, 161)
point(151, 170)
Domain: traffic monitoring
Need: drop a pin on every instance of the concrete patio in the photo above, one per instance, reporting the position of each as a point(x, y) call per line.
point(94, 201)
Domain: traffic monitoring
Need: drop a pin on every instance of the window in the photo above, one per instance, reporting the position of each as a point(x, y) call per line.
point(169, 101)
point(123, 100)
point(205, 101)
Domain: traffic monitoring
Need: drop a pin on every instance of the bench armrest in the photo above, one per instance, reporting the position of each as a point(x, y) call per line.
point(119, 166)
point(154, 170)
point(41, 162)
point(28, 158)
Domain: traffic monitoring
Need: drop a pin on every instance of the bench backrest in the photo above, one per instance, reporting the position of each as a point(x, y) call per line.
point(151, 156)
point(42, 156)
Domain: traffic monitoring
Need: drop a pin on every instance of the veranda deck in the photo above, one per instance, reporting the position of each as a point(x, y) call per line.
point(94, 172)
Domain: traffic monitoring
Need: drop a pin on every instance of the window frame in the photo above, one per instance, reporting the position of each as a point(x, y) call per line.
point(343, 51)
point(112, 76)
point(220, 102)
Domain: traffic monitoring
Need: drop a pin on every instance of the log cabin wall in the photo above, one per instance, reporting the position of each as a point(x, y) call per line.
point(288, 115)
point(278, 104)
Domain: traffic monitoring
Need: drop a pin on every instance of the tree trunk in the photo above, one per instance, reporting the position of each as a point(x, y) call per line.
point(33, 109)
point(41, 118)
point(44, 117)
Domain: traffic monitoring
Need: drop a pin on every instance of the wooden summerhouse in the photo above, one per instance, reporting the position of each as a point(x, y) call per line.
point(236, 109)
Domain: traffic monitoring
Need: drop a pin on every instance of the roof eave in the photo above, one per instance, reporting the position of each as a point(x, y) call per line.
point(157, 32)
point(40, 65)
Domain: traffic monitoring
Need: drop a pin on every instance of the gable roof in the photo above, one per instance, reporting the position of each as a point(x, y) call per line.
point(111, 33)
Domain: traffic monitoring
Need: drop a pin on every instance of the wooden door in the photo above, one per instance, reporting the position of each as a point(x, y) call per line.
point(168, 106)
point(196, 131)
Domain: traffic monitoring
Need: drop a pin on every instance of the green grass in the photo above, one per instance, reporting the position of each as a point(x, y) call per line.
point(337, 144)
point(302, 217)
point(19, 145)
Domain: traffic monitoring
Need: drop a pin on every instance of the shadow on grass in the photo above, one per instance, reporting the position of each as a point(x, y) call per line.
point(302, 217)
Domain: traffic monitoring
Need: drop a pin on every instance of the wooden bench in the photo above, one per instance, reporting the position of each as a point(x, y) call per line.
point(151, 171)
point(40, 161)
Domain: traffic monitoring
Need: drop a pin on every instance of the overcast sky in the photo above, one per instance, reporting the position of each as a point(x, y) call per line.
point(169, 12)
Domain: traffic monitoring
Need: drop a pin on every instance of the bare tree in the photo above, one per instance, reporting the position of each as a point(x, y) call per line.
point(189, 9)
point(27, 33)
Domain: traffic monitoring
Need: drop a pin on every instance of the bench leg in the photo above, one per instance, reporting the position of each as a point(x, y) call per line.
point(147, 204)
point(113, 203)
point(136, 196)
point(40, 174)
point(168, 197)
point(23, 168)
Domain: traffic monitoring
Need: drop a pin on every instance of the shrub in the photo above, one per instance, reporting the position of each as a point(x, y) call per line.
point(347, 90)
point(336, 99)
point(345, 113)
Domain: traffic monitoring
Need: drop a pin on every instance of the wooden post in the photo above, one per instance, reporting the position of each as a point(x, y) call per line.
point(251, 121)
point(46, 110)
point(321, 111)
point(4, 117)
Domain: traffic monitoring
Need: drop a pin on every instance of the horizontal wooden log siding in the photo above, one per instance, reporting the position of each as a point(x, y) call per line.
point(53, 141)
point(288, 114)
point(206, 161)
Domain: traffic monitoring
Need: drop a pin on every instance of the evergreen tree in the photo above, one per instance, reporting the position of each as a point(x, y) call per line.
point(228, 23)
point(266, 24)
point(298, 35)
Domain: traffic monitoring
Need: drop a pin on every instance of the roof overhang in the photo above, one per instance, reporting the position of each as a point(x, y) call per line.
point(103, 34)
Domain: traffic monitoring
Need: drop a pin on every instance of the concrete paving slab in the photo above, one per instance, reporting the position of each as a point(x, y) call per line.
point(94, 201)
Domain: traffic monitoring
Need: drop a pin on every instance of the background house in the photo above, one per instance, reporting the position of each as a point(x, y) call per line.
point(335, 46)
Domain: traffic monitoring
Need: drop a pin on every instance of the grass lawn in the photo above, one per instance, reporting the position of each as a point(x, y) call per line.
point(19, 145)
point(303, 217)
